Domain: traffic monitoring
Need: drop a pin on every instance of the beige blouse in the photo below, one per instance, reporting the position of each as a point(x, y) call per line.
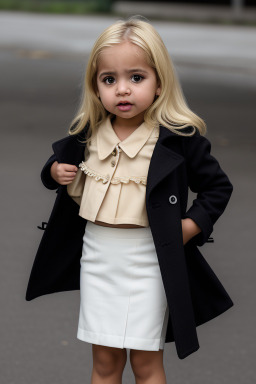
point(110, 184)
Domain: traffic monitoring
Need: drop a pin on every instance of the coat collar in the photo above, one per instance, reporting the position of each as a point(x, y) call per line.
point(107, 139)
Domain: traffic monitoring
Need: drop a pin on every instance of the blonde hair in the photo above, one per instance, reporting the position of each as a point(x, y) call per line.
point(169, 109)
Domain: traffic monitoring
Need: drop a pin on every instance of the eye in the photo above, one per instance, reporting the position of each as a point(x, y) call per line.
point(108, 80)
point(137, 78)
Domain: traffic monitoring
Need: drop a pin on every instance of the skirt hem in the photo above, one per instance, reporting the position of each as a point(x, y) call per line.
point(119, 342)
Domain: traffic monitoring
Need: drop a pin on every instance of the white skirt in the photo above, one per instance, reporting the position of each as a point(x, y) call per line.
point(122, 299)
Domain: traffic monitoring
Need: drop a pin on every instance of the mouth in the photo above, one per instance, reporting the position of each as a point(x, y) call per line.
point(124, 106)
point(124, 102)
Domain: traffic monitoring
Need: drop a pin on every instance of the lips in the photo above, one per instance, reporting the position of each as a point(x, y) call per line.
point(124, 103)
point(124, 106)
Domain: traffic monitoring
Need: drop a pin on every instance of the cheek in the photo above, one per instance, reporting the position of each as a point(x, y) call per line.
point(99, 88)
point(147, 95)
point(149, 89)
point(101, 92)
point(105, 97)
point(104, 92)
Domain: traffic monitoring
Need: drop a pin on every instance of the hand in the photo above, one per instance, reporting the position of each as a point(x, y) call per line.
point(189, 229)
point(63, 173)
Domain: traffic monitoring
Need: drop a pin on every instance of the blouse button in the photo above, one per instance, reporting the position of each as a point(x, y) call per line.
point(113, 163)
point(114, 152)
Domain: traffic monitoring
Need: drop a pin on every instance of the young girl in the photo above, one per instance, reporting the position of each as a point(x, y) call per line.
point(120, 230)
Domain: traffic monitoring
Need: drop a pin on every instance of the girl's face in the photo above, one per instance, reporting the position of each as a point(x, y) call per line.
point(126, 83)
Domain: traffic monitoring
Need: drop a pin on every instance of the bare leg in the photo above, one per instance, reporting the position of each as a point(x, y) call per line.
point(108, 364)
point(148, 366)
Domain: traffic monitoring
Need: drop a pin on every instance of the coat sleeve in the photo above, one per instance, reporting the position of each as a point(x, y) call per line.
point(46, 178)
point(209, 182)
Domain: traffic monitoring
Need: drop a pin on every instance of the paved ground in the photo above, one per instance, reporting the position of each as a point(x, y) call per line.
point(42, 64)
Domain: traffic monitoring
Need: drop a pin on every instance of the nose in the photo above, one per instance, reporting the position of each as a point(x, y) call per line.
point(122, 88)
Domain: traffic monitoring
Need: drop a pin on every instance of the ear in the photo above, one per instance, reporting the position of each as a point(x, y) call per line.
point(158, 91)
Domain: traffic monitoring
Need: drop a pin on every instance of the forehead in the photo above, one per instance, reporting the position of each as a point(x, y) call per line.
point(124, 54)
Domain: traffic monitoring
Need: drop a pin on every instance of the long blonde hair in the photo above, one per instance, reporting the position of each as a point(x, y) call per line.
point(169, 109)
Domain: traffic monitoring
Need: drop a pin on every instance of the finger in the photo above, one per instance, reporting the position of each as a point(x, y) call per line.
point(62, 173)
point(69, 174)
point(69, 167)
point(67, 178)
point(66, 182)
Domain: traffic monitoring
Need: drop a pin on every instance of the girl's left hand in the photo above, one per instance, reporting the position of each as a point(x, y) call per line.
point(189, 229)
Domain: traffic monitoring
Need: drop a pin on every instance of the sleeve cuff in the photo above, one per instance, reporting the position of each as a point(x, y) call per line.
point(46, 178)
point(202, 219)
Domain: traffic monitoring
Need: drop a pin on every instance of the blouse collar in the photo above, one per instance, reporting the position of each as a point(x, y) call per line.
point(107, 139)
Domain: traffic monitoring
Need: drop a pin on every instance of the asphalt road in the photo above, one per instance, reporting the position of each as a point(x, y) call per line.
point(39, 93)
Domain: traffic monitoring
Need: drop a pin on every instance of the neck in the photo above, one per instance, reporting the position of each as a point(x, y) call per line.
point(127, 124)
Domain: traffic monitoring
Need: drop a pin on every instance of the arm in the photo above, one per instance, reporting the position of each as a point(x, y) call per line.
point(207, 179)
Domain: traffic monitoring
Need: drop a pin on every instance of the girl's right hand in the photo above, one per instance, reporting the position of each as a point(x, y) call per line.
point(63, 173)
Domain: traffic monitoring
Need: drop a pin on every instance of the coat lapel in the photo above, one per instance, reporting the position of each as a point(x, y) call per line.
point(163, 161)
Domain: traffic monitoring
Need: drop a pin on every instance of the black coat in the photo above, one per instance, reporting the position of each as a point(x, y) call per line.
point(194, 293)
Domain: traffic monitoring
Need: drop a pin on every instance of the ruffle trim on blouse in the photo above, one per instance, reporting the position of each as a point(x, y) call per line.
point(115, 180)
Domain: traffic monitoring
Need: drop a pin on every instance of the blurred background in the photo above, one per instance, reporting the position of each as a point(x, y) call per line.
point(44, 47)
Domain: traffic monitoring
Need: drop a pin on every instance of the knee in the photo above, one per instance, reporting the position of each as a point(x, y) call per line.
point(145, 363)
point(141, 365)
point(107, 360)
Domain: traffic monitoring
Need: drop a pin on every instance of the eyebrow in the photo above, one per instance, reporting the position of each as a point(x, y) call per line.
point(128, 71)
